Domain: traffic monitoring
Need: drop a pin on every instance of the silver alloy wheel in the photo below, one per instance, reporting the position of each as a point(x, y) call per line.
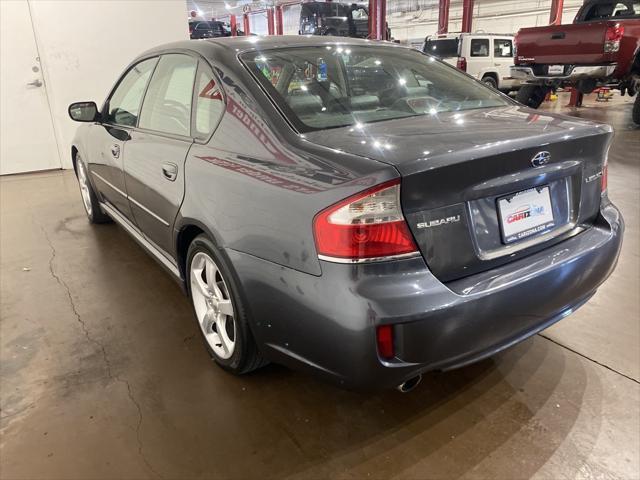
point(84, 186)
point(212, 304)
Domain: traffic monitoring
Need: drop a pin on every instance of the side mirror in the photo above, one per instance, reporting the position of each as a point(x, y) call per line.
point(84, 111)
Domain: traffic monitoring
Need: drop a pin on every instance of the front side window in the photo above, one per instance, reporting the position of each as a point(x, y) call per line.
point(124, 104)
point(502, 48)
point(209, 104)
point(327, 86)
point(167, 104)
point(480, 47)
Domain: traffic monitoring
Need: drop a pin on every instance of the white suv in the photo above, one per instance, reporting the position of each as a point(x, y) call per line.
point(485, 56)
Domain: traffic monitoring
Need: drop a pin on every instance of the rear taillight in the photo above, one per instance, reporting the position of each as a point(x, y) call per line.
point(461, 64)
point(612, 38)
point(384, 339)
point(366, 226)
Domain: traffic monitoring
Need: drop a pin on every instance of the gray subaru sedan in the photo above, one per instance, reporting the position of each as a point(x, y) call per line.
point(355, 209)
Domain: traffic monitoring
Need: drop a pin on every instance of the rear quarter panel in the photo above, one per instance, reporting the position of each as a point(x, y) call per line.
point(256, 185)
point(629, 47)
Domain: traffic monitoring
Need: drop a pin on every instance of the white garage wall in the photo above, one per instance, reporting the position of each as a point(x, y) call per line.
point(291, 19)
point(85, 44)
point(258, 23)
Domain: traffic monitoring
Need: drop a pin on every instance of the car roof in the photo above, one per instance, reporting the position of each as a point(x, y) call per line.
point(209, 46)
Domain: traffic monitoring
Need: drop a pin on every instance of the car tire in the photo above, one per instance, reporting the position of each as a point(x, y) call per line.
point(636, 110)
point(490, 82)
point(532, 96)
point(219, 310)
point(89, 197)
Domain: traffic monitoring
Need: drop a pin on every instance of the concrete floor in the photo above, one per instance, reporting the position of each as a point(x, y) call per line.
point(103, 374)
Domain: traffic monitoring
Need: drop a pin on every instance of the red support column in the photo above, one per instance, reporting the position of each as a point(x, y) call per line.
point(279, 21)
point(443, 16)
point(234, 25)
point(382, 20)
point(378, 19)
point(373, 23)
point(467, 15)
point(270, 26)
point(555, 16)
point(245, 24)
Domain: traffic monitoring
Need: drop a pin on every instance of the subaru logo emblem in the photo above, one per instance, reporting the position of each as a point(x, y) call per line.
point(540, 159)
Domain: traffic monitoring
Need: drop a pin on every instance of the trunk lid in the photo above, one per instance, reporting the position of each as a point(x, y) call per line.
point(456, 167)
point(573, 44)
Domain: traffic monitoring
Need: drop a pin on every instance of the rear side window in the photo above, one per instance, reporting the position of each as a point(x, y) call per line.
point(479, 47)
point(209, 104)
point(124, 104)
point(502, 48)
point(167, 104)
point(444, 48)
point(610, 10)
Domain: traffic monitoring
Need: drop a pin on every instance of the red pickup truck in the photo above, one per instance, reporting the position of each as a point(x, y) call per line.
point(601, 47)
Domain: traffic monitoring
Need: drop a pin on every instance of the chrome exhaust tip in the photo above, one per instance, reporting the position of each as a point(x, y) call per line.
point(406, 387)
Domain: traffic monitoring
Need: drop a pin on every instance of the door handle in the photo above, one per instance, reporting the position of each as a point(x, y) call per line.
point(35, 83)
point(115, 151)
point(170, 171)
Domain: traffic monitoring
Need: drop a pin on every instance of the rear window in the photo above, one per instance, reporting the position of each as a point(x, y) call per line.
point(613, 10)
point(442, 48)
point(334, 86)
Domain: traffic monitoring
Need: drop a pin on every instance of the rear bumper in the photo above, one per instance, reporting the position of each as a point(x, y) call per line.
point(327, 324)
point(574, 73)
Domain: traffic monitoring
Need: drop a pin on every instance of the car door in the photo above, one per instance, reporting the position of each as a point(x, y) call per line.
point(107, 139)
point(156, 151)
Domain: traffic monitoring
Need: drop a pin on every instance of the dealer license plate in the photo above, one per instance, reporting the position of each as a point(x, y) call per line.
point(525, 214)
point(556, 70)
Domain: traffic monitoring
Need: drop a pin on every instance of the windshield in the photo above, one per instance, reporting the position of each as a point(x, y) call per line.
point(444, 48)
point(334, 86)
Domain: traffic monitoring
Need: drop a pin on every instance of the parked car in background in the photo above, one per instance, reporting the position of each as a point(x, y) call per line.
point(601, 47)
point(208, 29)
point(334, 18)
point(350, 208)
point(485, 56)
